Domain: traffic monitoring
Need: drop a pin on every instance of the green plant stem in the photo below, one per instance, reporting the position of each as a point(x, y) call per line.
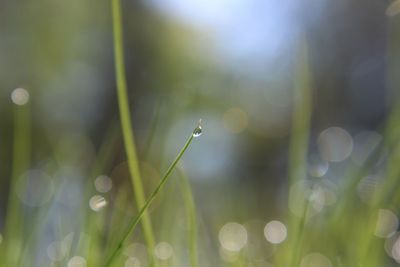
point(191, 218)
point(126, 125)
point(299, 139)
point(301, 117)
point(142, 211)
point(101, 165)
point(20, 163)
point(299, 236)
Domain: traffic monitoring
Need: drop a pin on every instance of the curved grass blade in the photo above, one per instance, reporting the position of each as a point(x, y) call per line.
point(126, 124)
point(197, 132)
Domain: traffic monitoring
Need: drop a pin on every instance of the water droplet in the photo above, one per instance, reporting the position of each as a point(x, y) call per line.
point(198, 130)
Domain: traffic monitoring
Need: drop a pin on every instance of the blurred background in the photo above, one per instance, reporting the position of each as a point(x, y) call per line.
point(231, 63)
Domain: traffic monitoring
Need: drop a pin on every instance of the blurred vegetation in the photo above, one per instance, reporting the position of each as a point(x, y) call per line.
point(297, 166)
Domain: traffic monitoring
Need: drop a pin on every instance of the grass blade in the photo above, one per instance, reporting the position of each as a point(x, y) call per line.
point(20, 163)
point(126, 124)
point(299, 141)
point(191, 218)
point(143, 210)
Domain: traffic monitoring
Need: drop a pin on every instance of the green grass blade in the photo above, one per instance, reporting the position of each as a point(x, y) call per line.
point(20, 163)
point(190, 210)
point(143, 210)
point(299, 141)
point(126, 125)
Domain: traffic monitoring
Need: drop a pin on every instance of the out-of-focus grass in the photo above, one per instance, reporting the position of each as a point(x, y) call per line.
point(299, 143)
point(127, 132)
point(190, 209)
point(343, 232)
point(21, 161)
point(143, 209)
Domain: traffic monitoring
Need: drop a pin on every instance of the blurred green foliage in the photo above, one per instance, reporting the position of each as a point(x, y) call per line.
point(297, 166)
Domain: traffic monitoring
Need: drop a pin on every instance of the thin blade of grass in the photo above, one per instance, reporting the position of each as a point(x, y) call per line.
point(20, 163)
point(142, 211)
point(190, 210)
point(126, 124)
point(299, 141)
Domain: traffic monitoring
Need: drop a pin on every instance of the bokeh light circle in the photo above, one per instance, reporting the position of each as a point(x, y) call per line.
point(132, 262)
point(97, 202)
point(233, 236)
point(20, 96)
point(163, 251)
point(275, 232)
point(386, 224)
point(103, 184)
point(315, 260)
point(335, 144)
point(77, 261)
